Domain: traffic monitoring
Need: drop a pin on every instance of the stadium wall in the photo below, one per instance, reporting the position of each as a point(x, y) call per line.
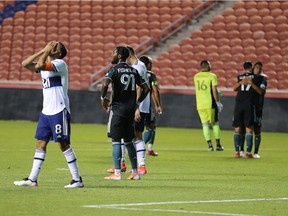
point(179, 110)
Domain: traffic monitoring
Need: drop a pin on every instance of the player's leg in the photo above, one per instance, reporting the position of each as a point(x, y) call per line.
point(242, 141)
point(216, 132)
point(248, 119)
point(43, 135)
point(216, 129)
point(140, 144)
point(117, 131)
point(257, 141)
point(257, 133)
point(61, 129)
point(205, 117)
point(151, 125)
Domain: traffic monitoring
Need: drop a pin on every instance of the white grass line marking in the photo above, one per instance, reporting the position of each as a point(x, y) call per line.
point(183, 202)
point(62, 169)
point(128, 205)
point(181, 211)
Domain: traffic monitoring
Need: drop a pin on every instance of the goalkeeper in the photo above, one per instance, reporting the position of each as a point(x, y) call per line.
point(208, 103)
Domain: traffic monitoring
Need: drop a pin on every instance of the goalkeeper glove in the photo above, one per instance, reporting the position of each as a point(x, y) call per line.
point(219, 106)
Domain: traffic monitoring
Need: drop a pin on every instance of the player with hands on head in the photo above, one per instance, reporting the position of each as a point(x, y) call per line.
point(54, 120)
point(208, 103)
point(124, 106)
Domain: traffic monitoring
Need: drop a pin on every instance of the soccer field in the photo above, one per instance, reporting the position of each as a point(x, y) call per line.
point(185, 179)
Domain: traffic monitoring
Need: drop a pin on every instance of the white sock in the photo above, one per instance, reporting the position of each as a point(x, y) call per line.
point(150, 147)
point(123, 148)
point(72, 163)
point(39, 158)
point(141, 152)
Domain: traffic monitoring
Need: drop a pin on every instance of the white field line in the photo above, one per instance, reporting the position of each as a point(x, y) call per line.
point(128, 205)
point(180, 211)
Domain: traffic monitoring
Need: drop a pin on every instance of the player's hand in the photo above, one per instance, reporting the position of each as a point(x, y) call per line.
point(219, 106)
point(137, 116)
point(159, 110)
point(105, 104)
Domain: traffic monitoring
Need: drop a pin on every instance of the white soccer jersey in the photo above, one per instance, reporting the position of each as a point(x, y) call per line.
point(141, 68)
point(55, 88)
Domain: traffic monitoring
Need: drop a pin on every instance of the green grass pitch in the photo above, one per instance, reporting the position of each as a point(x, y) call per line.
point(185, 179)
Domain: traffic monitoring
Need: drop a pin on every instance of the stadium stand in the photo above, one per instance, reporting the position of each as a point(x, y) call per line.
point(92, 23)
point(251, 30)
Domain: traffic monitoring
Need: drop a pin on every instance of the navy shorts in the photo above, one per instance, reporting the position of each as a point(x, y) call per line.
point(120, 128)
point(54, 127)
point(243, 116)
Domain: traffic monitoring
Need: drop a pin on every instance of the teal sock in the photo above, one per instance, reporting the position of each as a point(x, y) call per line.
point(236, 141)
point(147, 135)
point(116, 154)
point(249, 141)
point(132, 154)
point(152, 138)
point(257, 141)
point(242, 141)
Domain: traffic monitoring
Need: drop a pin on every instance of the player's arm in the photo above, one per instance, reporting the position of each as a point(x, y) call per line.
point(29, 63)
point(49, 50)
point(254, 86)
point(104, 100)
point(156, 98)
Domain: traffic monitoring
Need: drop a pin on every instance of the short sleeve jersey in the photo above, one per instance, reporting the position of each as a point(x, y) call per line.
point(203, 82)
point(142, 70)
point(152, 79)
point(246, 94)
point(55, 88)
point(124, 79)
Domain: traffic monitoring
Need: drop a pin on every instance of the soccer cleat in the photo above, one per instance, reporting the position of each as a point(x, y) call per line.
point(219, 148)
point(210, 148)
point(248, 155)
point(134, 176)
point(152, 153)
point(257, 156)
point(123, 168)
point(237, 155)
point(113, 177)
point(75, 184)
point(26, 182)
point(142, 169)
point(242, 154)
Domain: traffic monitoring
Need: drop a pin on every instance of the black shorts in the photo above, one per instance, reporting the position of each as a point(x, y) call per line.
point(243, 116)
point(151, 117)
point(120, 128)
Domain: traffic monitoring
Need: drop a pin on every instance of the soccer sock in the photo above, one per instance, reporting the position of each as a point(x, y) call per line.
point(206, 132)
point(39, 158)
point(140, 151)
point(249, 141)
point(216, 132)
point(151, 141)
point(116, 155)
point(147, 135)
point(132, 155)
point(123, 152)
point(236, 141)
point(209, 143)
point(72, 163)
point(153, 132)
point(242, 141)
point(257, 141)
